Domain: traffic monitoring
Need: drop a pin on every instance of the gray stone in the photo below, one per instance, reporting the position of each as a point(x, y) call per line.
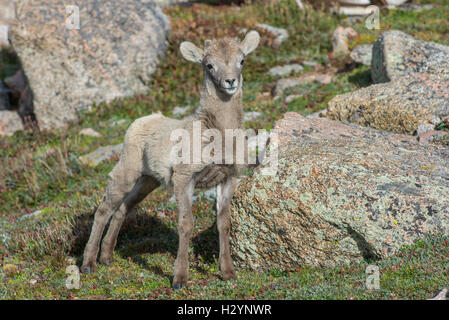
point(285, 69)
point(101, 154)
point(318, 114)
point(362, 54)
point(10, 122)
point(415, 7)
point(398, 106)
point(396, 54)
point(305, 78)
point(280, 33)
point(251, 115)
point(89, 132)
point(283, 84)
point(112, 54)
point(292, 97)
point(312, 64)
point(342, 193)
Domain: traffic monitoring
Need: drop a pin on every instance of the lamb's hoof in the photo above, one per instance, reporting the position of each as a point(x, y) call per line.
point(229, 275)
point(88, 268)
point(105, 261)
point(179, 285)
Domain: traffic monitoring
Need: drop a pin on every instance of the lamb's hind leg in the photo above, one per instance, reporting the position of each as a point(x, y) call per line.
point(143, 186)
point(121, 182)
point(224, 196)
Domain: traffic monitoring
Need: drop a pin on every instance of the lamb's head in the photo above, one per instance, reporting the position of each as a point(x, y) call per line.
point(222, 59)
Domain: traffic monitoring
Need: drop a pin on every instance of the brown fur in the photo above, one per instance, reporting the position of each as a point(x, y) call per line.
point(145, 160)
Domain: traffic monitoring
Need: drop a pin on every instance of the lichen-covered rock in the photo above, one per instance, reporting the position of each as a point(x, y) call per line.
point(398, 106)
point(111, 55)
point(342, 193)
point(396, 54)
point(101, 154)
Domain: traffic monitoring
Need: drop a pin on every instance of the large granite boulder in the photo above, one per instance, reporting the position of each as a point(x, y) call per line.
point(342, 193)
point(111, 55)
point(399, 106)
point(396, 54)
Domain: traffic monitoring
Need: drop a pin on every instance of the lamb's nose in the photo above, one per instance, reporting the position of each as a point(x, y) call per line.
point(230, 81)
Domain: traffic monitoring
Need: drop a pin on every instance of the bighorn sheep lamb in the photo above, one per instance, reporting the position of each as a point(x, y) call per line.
point(145, 162)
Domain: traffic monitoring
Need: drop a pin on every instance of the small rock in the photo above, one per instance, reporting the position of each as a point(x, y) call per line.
point(441, 295)
point(10, 122)
point(340, 40)
point(180, 111)
point(90, 132)
point(354, 11)
point(362, 54)
point(414, 7)
point(432, 136)
point(31, 215)
point(323, 78)
point(251, 116)
point(120, 122)
point(101, 154)
point(292, 97)
point(318, 114)
point(355, 2)
point(33, 281)
point(395, 2)
point(312, 64)
point(424, 127)
point(283, 84)
point(280, 33)
point(285, 70)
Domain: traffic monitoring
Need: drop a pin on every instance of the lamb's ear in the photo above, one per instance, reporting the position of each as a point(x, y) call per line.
point(191, 52)
point(250, 43)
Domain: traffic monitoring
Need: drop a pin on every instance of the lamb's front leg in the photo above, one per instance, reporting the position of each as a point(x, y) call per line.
point(183, 189)
point(224, 196)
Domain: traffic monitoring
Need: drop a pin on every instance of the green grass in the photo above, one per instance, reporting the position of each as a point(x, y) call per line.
point(42, 171)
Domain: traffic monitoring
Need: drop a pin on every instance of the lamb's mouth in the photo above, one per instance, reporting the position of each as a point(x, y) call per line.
point(231, 90)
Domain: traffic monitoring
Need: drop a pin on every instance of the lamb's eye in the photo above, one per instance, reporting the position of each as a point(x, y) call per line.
point(242, 62)
point(209, 66)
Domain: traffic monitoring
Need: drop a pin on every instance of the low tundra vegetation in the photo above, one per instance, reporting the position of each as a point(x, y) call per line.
point(47, 197)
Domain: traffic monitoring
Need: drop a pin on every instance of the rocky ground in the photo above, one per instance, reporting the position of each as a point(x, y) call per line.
point(351, 175)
